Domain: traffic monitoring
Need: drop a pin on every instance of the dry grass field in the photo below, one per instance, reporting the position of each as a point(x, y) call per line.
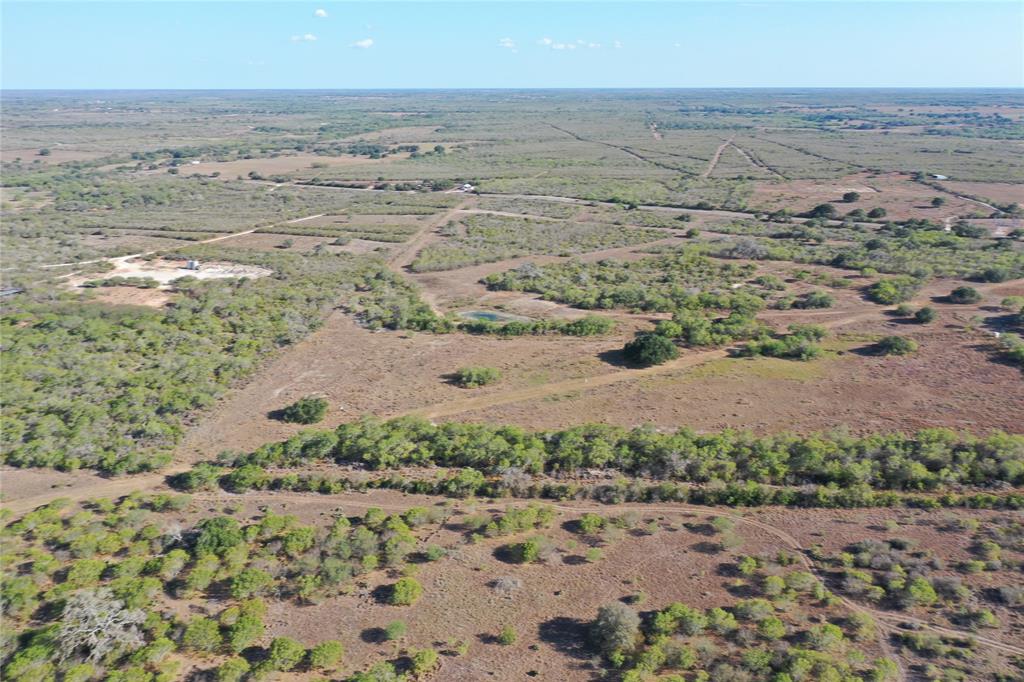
point(818, 451)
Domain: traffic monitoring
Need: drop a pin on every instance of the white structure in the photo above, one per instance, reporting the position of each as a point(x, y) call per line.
point(192, 264)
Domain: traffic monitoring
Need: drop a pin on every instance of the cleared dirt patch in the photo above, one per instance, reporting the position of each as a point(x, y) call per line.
point(166, 271)
point(901, 197)
point(151, 298)
point(280, 165)
point(999, 192)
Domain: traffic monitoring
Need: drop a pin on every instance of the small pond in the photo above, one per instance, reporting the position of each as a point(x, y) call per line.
point(492, 316)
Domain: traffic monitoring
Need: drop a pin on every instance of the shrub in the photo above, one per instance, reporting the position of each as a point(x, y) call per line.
point(850, 197)
point(815, 299)
point(964, 295)
point(650, 349)
point(507, 636)
point(876, 213)
point(326, 655)
point(308, 410)
point(528, 551)
point(896, 345)
point(474, 377)
point(405, 592)
point(423, 661)
point(925, 315)
point(771, 628)
point(395, 630)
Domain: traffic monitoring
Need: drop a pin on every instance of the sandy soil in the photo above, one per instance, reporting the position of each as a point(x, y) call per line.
point(166, 271)
point(57, 155)
point(151, 298)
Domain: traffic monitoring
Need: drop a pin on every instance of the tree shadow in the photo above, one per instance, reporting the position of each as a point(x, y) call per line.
point(706, 548)
point(507, 554)
point(566, 635)
point(374, 635)
point(615, 358)
point(382, 594)
point(574, 560)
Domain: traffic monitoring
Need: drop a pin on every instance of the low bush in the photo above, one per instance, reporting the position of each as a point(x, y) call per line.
point(896, 345)
point(474, 377)
point(308, 410)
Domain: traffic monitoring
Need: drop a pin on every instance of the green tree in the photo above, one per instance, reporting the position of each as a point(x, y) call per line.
point(251, 582)
point(851, 197)
point(244, 631)
point(650, 349)
point(616, 628)
point(284, 654)
point(202, 634)
point(964, 295)
point(232, 670)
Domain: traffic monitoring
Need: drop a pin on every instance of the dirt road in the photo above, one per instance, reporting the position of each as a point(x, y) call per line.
point(714, 159)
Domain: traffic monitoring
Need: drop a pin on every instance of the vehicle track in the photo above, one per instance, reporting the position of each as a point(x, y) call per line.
point(211, 240)
point(621, 148)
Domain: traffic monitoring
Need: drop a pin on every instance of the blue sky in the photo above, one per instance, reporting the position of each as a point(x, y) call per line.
point(381, 44)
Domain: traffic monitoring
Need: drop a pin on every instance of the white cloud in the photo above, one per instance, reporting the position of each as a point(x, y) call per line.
point(507, 43)
point(304, 38)
point(617, 45)
point(558, 45)
point(320, 14)
point(363, 44)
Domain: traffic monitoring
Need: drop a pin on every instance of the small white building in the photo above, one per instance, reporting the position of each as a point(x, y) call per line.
point(467, 187)
point(192, 264)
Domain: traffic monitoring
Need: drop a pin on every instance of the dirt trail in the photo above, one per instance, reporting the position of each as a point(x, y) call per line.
point(567, 386)
point(758, 163)
point(404, 256)
point(714, 159)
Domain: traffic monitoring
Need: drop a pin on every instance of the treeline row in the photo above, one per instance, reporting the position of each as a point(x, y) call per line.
point(931, 459)
point(472, 483)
